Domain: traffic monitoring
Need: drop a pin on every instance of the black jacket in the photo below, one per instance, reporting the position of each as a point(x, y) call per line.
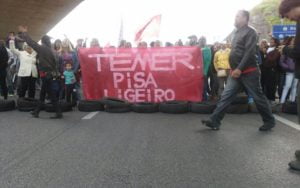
point(295, 53)
point(243, 53)
point(272, 60)
point(3, 57)
point(47, 60)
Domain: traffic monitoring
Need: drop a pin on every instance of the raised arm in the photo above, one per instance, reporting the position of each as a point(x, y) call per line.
point(13, 48)
point(28, 39)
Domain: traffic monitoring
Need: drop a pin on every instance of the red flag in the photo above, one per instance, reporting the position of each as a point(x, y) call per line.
point(151, 29)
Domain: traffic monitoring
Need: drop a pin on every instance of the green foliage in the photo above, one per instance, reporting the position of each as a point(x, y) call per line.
point(269, 10)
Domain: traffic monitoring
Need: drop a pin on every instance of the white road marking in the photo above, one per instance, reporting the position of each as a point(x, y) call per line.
point(287, 122)
point(90, 115)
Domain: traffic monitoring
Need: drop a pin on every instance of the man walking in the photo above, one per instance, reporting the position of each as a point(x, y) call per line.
point(245, 74)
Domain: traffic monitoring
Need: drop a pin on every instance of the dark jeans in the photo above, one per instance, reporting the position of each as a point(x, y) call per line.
point(73, 91)
point(269, 83)
point(251, 82)
point(70, 93)
point(43, 90)
point(213, 82)
point(222, 83)
point(27, 84)
point(3, 83)
point(51, 88)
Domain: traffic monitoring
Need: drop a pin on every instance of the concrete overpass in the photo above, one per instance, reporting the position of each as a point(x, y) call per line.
point(39, 15)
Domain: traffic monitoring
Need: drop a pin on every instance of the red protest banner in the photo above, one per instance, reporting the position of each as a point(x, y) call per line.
point(142, 75)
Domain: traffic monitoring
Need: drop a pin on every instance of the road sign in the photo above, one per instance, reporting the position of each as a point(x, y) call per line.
point(281, 31)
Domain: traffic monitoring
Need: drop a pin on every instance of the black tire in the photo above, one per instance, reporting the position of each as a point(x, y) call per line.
point(90, 106)
point(7, 105)
point(253, 108)
point(27, 104)
point(174, 107)
point(114, 102)
point(238, 109)
point(65, 107)
point(24, 109)
point(145, 107)
point(202, 107)
point(290, 108)
point(240, 99)
point(118, 110)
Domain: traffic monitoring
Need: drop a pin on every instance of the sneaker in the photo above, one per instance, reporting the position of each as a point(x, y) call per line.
point(209, 124)
point(295, 165)
point(266, 127)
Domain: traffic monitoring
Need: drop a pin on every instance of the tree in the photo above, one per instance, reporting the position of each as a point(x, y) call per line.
point(264, 15)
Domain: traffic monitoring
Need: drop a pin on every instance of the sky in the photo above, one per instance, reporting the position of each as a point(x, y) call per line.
point(180, 19)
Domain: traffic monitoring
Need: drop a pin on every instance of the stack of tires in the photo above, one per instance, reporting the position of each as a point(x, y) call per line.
point(26, 104)
point(65, 107)
point(90, 105)
point(206, 107)
point(239, 105)
point(145, 107)
point(7, 105)
point(29, 104)
point(115, 105)
point(174, 107)
point(276, 108)
point(290, 108)
point(107, 104)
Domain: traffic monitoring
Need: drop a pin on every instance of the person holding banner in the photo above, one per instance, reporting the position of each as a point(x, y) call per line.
point(291, 9)
point(244, 74)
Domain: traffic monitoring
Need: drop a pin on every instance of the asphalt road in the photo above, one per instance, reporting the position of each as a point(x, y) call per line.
point(144, 150)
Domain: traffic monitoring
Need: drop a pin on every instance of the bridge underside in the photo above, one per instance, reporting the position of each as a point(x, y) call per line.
point(39, 15)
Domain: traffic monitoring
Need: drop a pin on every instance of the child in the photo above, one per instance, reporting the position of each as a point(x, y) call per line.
point(70, 81)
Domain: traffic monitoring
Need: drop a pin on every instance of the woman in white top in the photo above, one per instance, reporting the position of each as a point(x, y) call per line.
point(28, 69)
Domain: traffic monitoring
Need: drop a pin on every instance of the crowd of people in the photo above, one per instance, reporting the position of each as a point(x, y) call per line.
point(20, 73)
point(26, 64)
point(274, 60)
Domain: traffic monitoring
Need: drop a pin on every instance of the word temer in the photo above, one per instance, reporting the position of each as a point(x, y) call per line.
point(126, 62)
